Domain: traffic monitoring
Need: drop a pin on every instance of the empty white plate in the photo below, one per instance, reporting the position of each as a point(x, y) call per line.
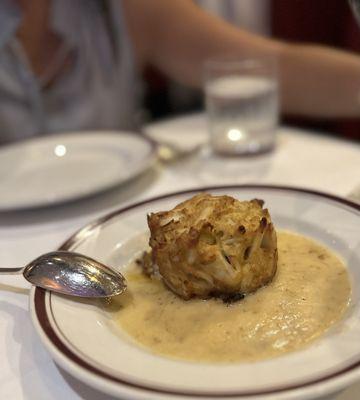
point(58, 168)
point(181, 134)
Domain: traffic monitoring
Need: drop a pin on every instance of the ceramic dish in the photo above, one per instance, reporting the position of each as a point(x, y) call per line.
point(84, 340)
point(182, 135)
point(63, 167)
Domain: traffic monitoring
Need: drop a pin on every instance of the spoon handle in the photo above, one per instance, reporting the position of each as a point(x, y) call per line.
point(10, 271)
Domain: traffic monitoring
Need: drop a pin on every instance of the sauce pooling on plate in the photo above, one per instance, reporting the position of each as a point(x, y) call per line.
point(310, 292)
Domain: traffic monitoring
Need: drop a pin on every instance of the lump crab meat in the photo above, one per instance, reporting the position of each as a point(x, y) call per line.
point(214, 246)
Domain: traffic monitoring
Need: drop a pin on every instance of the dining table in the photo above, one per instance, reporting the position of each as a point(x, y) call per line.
point(301, 158)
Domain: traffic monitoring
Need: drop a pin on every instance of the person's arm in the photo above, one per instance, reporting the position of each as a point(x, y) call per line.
point(177, 37)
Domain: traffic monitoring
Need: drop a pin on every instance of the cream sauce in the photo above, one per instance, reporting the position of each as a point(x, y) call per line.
point(310, 292)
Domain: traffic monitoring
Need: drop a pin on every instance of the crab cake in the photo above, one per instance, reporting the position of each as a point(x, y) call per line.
point(214, 246)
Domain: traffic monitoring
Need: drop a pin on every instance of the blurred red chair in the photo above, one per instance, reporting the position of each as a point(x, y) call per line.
point(328, 22)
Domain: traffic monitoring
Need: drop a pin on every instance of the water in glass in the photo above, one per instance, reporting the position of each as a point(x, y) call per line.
point(242, 112)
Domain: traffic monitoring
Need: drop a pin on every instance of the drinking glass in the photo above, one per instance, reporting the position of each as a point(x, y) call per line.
point(242, 104)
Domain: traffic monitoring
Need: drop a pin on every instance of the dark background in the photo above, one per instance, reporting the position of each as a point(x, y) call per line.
point(327, 22)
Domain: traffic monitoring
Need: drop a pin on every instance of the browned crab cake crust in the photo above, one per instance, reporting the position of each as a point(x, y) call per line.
point(214, 245)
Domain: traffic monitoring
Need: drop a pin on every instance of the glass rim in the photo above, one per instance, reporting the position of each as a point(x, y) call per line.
point(246, 61)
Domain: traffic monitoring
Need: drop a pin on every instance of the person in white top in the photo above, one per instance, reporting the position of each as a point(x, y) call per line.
point(68, 64)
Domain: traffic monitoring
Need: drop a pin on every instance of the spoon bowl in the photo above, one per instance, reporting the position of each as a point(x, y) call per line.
point(72, 274)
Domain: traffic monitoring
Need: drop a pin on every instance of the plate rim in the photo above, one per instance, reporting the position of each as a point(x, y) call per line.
point(54, 343)
point(115, 134)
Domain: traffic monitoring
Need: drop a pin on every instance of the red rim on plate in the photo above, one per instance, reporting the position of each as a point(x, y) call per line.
point(56, 341)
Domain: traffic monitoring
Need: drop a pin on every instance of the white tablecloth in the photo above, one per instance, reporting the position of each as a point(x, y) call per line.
point(301, 158)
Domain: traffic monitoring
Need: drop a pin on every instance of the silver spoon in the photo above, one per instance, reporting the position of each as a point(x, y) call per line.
point(71, 274)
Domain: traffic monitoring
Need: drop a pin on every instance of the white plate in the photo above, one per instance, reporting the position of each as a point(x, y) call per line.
point(84, 340)
point(58, 168)
point(181, 134)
